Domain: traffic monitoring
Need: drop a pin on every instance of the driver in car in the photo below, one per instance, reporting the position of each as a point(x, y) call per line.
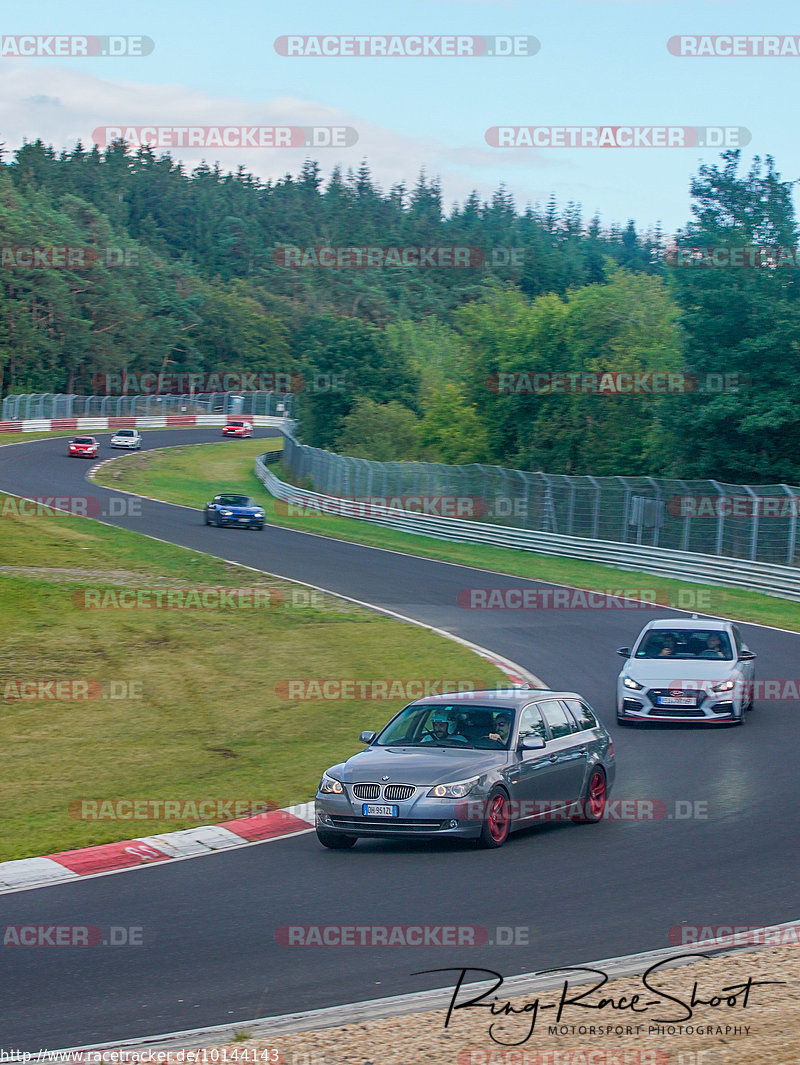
point(440, 727)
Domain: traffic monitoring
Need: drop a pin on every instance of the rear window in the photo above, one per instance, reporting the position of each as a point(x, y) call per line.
point(557, 718)
point(582, 714)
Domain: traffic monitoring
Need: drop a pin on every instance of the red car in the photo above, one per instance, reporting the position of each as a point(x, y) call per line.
point(237, 428)
point(84, 447)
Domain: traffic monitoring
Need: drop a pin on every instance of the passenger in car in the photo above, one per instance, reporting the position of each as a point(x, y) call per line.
point(714, 647)
point(501, 730)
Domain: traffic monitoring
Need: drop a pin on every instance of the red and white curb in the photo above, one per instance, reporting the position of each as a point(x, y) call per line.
point(145, 850)
point(64, 866)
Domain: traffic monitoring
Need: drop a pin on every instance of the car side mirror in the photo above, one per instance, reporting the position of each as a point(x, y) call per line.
point(747, 656)
point(624, 651)
point(532, 743)
point(367, 737)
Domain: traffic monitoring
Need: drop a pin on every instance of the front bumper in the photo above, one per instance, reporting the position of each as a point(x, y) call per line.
point(242, 521)
point(708, 708)
point(418, 818)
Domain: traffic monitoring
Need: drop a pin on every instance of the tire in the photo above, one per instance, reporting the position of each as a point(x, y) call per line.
point(593, 803)
point(496, 825)
point(208, 520)
point(334, 841)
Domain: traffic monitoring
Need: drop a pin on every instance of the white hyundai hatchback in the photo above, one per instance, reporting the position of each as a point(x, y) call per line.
point(688, 670)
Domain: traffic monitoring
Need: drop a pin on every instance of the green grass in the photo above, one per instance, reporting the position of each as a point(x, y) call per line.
point(175, 476)
point(206, 722)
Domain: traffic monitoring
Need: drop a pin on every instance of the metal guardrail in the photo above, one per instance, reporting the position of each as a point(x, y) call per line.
point(758, 522)
point(781, 581)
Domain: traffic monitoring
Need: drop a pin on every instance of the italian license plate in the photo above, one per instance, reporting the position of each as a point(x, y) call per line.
point(369, 809)
point(670, 701)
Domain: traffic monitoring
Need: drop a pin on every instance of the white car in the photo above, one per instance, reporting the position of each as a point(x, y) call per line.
point(130, 438)
point(689, 670)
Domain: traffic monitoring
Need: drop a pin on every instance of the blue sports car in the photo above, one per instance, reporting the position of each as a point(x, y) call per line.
point(234, 510)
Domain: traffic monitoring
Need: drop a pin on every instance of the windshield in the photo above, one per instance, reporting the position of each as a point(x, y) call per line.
point(235, 501)
point(479, 727)
point(125, 432)
point(83, 440)
point(685, 644)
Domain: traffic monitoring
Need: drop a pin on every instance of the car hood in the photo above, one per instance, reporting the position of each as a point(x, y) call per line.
point(667, 673)
point(415, 765)
point(238, 510)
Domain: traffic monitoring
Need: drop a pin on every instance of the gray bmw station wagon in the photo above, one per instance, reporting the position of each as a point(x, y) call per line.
point(475, 764)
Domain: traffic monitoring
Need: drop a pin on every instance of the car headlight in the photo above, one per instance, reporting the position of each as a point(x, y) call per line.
point(629, 682)
point(330, 786)
point(259, 514)
point(725, 686)
point(225, 513)
point(453, 791)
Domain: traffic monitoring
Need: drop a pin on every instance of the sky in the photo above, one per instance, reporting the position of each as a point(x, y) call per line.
point(592, 66)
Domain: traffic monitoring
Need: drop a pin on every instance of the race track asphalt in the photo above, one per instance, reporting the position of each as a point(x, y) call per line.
point(562, 894)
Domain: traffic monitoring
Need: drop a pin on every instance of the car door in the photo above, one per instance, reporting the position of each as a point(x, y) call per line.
point(567, 747)
point(535, 778)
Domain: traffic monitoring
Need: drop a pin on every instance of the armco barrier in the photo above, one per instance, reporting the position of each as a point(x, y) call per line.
point(781, 581)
